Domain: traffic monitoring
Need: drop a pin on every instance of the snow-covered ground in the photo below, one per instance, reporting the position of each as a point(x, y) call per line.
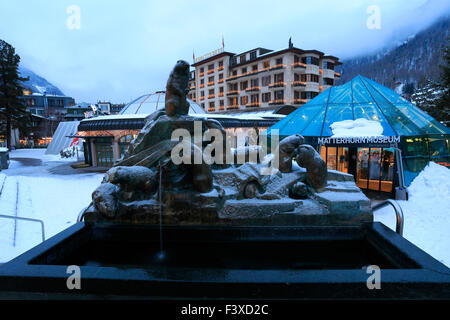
point(33, 189)
point(30, 189)
point(427, 212)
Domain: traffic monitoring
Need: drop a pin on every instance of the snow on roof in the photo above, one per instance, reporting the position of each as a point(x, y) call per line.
point(356, 128)
point(118, 116)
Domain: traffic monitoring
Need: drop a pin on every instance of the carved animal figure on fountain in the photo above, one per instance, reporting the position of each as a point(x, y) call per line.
point(148, 180)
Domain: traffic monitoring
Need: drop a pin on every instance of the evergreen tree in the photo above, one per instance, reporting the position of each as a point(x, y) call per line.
point(13, 113)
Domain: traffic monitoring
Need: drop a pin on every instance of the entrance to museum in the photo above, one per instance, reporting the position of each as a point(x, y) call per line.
point(373, 168)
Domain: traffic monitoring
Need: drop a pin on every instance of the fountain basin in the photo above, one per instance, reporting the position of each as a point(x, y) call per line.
point(226, 262)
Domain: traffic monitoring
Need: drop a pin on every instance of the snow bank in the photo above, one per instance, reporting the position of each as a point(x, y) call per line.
point(427, 212)
point(356, 128)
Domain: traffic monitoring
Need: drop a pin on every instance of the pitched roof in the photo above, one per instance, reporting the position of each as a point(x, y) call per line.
point(359, 98)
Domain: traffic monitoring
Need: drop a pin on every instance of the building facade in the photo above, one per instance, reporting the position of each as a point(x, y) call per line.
point(47, 105)
point(260, 79)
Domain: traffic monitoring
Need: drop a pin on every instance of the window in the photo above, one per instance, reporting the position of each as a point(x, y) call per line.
point(234, 73)
point(233, 61)
point(308, 95)
point(296, 77)
point(124, 143)
point(244, 70)
point(244, 100)
point(279, 61)
point(266, 81)
point(221, 102)
point(296, 94)
point(202, 93)
point(252, 55)
point(254, 98)
point(211, 67)
point(255, 67)
point(203, 105)
point(221, 76)
point(328, 65)
point(279, 95)
point(202, 70)
point(212, 105)
point(266, 97)
point(211, 91)
point(242, 58)
point(211, 79)
point(254, 82)
point(310, 60)
point(221, 89)
point(328, 82)
point(220, 63)
point(266, 64)
point(202, 81)
point(296, 59)
point(279, 77)
point(244, 85)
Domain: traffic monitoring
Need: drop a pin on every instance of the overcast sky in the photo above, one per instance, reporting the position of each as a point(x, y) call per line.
point(125, 48)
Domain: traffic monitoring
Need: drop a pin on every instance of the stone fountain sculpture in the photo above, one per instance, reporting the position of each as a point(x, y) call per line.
point(300, 192)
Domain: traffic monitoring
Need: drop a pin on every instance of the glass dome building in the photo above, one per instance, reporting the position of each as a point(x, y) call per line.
point(149, 103)
point(372, 160)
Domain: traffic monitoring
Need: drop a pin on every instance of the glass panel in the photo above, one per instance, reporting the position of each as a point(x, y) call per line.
point(104, 155)
point(362, 167)
point(423, 120)
point(439, 150)
point(331, 158)
point(387, 169)
point(341, 94)
point(370, 111)
point(374, 168)
point(342, 160)
point(401, 124)
point(360, 93)
point(335, 113)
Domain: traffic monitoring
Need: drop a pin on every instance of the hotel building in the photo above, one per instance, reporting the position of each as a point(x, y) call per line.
point(225, 82)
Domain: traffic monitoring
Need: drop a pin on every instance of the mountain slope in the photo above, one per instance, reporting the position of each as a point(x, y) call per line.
point(37, 84)
point(416, 59)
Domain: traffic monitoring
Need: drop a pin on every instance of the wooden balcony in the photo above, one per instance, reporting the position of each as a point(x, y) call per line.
point(220, 81)
point(221, 108)
point(201, 74)
point(253, 72)
point(234, 106)
point(298, 83)
point(253, 104)
point(221, 94)
point(337, 74)
point(298, 65)
point(299, 101)
point(210, 71)
point(202, 85)
point(211, 96)
point(277, 101)
point(253, 89)
point(232, 92)
point(220, 68)
point(277, 84)
point(211, 83)
point(202, 98)
point(212, 109)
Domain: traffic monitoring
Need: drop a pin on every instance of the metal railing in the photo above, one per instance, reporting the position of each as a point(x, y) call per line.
point(27, 219)
point(398, 212)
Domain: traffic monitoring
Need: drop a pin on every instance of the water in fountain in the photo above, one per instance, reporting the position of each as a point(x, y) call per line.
point(161, 254)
